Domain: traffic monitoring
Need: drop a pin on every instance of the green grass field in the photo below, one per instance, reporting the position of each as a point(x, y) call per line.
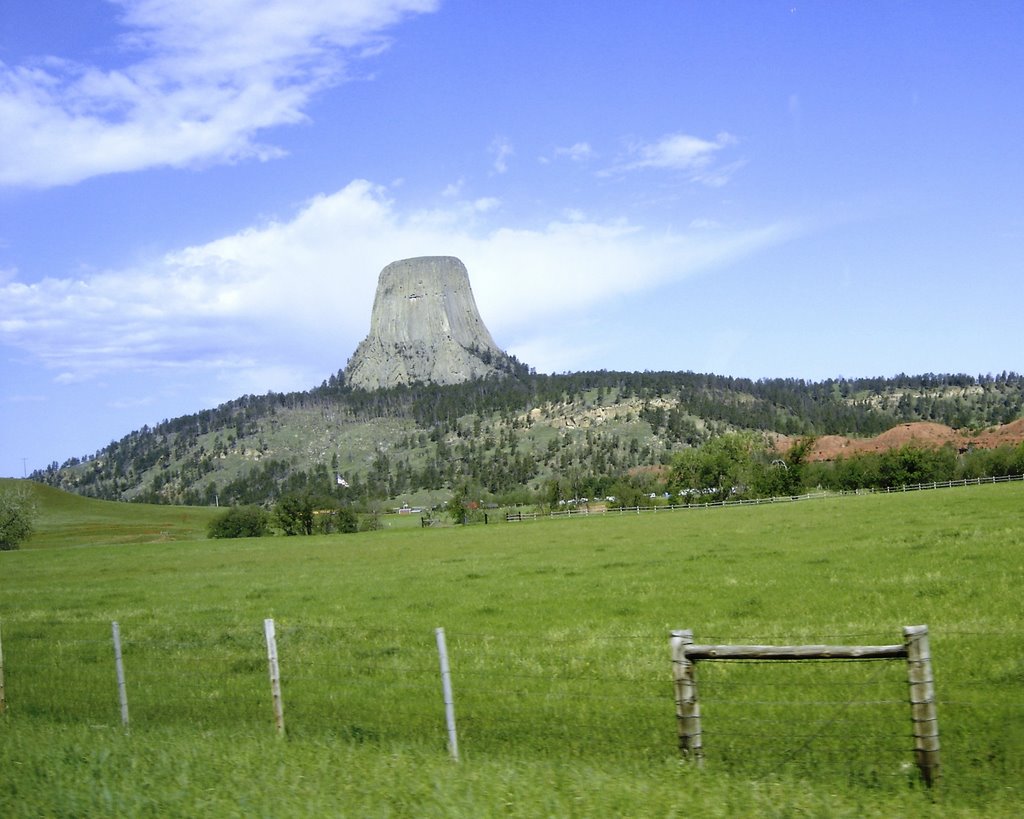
point(558, 640)
point(71, 520)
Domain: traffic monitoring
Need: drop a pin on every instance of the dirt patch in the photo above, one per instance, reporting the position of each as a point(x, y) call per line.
point(920, 433)
point(1007, 435)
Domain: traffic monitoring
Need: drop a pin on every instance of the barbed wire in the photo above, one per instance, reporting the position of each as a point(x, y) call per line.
point(246, 635)
point(364, 683)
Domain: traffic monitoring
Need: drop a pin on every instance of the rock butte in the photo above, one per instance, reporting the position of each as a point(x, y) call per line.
point(425, 327)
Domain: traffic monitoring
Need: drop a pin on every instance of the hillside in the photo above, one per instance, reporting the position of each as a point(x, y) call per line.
point(509, 436)
point(920, 433)
point(66, 519)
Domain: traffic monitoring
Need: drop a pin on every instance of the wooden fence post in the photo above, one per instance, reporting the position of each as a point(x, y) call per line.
point(914, 649)
point(687, 704)
point(122, 692)
point(923, 712)
point(275, 675)
point(446, 689)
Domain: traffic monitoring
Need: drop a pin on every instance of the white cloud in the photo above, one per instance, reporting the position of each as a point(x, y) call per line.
point(705, 224)
point(681, 152)
point(302, 288)
point(454, 189)
point(206, 79)
point(577, 152)
point(486, 203)
point(502, 150)
point(717, 176)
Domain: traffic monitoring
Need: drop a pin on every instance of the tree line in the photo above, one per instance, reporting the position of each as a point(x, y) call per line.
point(474, 434)
point(745, 466)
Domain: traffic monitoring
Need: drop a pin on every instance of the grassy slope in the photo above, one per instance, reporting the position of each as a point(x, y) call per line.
point(71, 520)
point(569, 611)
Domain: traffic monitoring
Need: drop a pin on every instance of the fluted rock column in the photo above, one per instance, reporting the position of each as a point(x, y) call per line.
point(425, 326)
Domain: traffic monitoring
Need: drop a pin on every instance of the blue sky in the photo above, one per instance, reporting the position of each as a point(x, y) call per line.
point(196, 198)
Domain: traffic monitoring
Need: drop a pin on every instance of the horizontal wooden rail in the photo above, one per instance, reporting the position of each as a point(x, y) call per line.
point(732, 652)
point(686, 653)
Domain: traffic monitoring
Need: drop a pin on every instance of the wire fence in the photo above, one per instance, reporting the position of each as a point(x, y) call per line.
point(573, 695)
point(580, 508)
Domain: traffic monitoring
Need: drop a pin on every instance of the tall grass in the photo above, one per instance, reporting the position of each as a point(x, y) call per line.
point(558, 636)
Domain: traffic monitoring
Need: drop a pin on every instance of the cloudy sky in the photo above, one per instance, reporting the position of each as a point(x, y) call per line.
point(196, 197)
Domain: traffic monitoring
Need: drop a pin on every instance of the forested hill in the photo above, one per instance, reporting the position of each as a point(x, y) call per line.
point(505, 436)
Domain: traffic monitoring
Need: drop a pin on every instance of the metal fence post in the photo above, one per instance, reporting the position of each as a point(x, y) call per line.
point(122, 692)
point(446, 689)
point(275, 675)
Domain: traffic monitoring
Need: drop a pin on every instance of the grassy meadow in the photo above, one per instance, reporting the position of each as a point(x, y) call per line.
point(71, 520)
point(557, 635)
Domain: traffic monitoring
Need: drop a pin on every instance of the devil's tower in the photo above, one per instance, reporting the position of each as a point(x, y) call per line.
point(424, 327)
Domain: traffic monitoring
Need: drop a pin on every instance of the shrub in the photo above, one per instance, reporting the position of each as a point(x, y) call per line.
point(369, 523)
point(17, 517)
point(240, 521)
point(348, 521)
point(295, 513)
point(340, 519)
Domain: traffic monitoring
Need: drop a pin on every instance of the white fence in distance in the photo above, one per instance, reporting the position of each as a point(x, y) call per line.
point(583, 510)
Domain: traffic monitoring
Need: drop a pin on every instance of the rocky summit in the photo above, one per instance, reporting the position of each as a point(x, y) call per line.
point(425, 327)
